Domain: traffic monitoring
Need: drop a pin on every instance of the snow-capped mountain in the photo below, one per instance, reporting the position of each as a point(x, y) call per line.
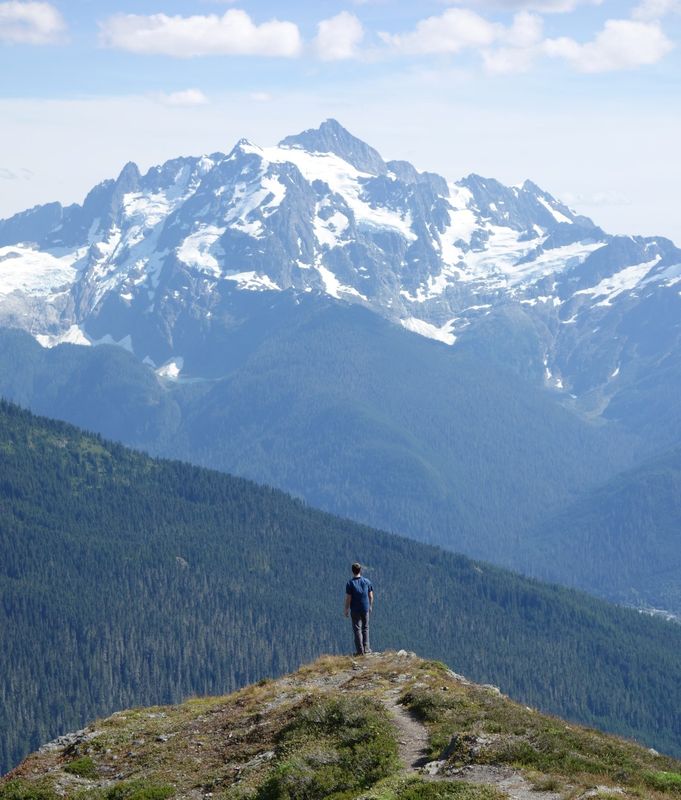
point(160, 262)
point(272, 299)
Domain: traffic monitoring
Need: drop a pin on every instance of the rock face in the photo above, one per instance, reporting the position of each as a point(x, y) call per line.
point(387, 726)
point(161, 263)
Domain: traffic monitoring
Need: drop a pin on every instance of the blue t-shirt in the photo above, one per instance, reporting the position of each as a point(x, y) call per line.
point(358, 588)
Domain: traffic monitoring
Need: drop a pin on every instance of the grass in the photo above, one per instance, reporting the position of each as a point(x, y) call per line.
point(139, 790)
point(546, 783)
point(83, 767)
point(27, 790)
point(449, 791)
point(402, 786)
point(664, 781)
point(332, 749)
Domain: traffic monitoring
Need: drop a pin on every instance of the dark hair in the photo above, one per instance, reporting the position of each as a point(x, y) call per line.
point(356, 568)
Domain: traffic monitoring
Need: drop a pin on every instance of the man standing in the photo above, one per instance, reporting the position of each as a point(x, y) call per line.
point(359, 601)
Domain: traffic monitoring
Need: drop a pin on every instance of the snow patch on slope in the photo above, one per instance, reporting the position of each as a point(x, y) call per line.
point(198, 249)
point(273, 186)
point(557, 215)
point(668, 276)
point(253, 281)
point(74, 335)
point(329, 232)
point(35, 272)
point(441, 334)
point(146, 210)
point(623, 281)
point(504, 264)
point(341, 178)
point(334, 287)
point(172, 369)
point(433, 287)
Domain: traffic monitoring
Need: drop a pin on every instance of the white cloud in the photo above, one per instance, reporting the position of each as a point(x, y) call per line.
point(506, 60)
point(185, 97)
point(622, 44)
point(656, 9)
point(519, 45)
point(527, 30)
point(30, 23)
point(545, 6)
point(451, 32)
point(262, 97)
point(339, 37)
point(503, 48)
point(233, 33)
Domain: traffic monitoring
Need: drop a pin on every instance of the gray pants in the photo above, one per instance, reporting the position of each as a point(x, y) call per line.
point(360, 629)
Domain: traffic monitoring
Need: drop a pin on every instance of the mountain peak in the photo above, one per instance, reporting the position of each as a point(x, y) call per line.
point(342, 724)
point(130, 172)
point(533, 188)
point(332, 137)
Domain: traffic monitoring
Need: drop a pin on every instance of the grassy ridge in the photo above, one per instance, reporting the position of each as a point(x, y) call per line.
point(331, 732)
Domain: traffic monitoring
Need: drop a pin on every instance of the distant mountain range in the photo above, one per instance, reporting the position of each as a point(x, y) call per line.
point(263, 296)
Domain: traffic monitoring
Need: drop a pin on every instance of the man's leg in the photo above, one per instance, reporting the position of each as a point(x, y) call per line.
point(357, 632)
point(365, 632)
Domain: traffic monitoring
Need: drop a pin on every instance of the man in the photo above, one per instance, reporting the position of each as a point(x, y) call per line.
point(359, 602)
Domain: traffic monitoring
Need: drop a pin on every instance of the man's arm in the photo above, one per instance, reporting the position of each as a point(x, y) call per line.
point(346, 610)
point(371, 600)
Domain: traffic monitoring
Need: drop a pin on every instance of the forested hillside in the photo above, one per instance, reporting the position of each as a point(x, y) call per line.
point(126, 580)
point(357, 416)
point(631, 528)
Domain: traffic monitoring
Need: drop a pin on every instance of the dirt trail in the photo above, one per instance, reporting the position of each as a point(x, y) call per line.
point(508, 780)
point(413, 752)
point(413, 736)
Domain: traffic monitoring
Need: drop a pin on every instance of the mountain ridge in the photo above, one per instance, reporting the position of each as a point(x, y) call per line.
point(389, 726)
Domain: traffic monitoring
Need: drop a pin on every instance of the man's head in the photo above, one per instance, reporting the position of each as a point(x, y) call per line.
point(356, 568)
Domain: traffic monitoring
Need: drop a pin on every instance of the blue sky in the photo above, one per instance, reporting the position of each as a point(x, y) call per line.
point(581, 96)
